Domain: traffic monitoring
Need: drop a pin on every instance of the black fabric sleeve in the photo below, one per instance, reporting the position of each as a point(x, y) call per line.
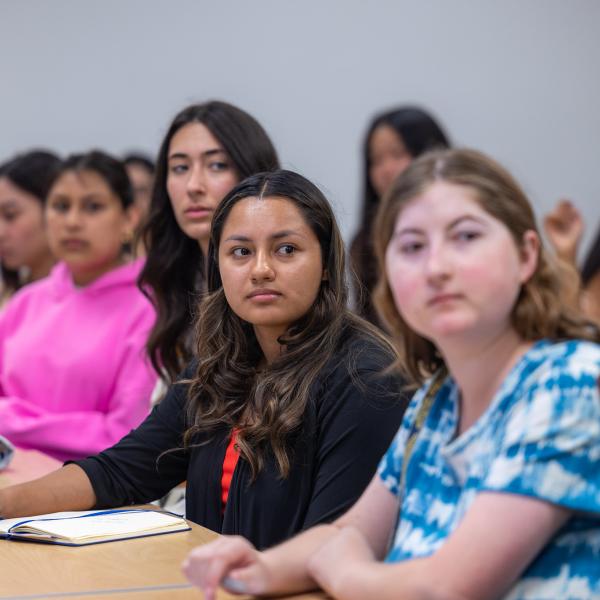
point(357, 417)
point(136, 469)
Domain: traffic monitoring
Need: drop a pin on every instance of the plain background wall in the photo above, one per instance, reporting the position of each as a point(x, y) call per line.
point(518, 79)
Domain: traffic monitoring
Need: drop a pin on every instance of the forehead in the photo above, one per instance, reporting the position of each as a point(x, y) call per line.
point(81, 182)
point(442, 202)
point(385, 136)
point(254, 216)
point(193, 138)
point(9, 192)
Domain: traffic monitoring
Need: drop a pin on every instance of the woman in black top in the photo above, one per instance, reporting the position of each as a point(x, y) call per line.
point(283, 366)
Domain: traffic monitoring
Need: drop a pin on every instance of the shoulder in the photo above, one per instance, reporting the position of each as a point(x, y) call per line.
point(360, 352)
point(568, 364)
point(556, 395)
point(359, 373)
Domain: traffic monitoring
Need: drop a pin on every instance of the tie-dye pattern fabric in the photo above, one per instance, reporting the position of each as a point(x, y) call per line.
point(540, 437)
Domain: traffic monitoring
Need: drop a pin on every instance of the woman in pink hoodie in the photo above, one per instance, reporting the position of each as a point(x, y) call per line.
point(74, 376)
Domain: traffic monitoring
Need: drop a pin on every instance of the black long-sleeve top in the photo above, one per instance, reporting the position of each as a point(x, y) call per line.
point(349, 422)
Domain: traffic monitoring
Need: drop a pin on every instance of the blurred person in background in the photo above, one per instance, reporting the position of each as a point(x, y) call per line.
point(564, 229)
point(74, 375)
point(24, 250)
point(393, 139)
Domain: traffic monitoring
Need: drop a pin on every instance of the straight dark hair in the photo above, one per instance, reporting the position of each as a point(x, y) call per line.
point(173, 274)
point(419, 132)
point(33, 172)
point(228, 390)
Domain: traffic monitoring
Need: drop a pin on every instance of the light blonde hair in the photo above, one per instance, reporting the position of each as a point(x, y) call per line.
point(541, 309)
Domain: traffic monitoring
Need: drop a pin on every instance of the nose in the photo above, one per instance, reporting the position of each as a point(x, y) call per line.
point(196, 181)
point(262, 269)
point(73, 218)
point(437, 264)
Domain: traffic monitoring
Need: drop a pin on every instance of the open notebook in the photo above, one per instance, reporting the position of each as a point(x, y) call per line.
point(91, 526)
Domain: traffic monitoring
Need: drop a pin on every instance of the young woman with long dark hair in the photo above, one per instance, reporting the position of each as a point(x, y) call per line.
point(207, 149)
point(393, 140)
point(281, 420)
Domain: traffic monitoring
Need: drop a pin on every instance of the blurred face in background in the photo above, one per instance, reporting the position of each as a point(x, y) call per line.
point(23, 241)
point(142, 181)
point(87, 224)
point(388, 157)
point(200, 174)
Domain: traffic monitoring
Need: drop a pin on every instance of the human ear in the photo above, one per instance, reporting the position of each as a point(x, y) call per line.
point(132, 220)
point(530, 253)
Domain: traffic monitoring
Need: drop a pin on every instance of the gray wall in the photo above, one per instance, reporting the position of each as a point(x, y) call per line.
point(517, 79)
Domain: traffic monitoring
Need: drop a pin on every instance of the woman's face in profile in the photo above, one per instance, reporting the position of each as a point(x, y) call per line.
point(23, 241)
point(388, 157)
point(270, 262)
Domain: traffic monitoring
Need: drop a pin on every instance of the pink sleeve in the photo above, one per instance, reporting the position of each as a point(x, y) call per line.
point(76, 434)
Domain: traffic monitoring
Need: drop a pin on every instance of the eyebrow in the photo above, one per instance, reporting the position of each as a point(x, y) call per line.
point(451, 225)
point(205, 154)
point(276, 236)
point(10, 203)
point(84, 198)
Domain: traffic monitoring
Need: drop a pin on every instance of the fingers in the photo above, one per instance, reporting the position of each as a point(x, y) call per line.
point(247, 580)
point(208, 565)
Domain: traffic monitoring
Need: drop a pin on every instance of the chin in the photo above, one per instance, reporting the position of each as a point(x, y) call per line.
point(197, 232)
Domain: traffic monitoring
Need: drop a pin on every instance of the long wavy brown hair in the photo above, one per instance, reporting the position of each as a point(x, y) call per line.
point(228, 391)
point(542, 309)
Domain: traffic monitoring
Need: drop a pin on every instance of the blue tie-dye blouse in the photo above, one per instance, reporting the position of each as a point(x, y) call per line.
point(540, 437)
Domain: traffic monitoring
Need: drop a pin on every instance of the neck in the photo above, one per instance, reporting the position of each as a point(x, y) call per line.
point(267, 339)
point(203, 243)
point(41, 269)
point(479, 367)
point(81, 278)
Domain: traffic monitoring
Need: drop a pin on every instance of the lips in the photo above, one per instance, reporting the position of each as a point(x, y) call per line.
point(264, 294)
point(198, 212)
point(443, 299)
point(73, 244)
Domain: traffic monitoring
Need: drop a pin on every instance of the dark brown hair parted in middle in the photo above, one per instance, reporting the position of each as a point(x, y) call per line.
point(227, 389)
point(542, 309)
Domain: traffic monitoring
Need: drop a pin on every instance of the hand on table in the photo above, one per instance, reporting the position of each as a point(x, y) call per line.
point(231, 562)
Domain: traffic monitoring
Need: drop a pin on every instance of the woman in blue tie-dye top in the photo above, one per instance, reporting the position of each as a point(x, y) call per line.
point(491, 488)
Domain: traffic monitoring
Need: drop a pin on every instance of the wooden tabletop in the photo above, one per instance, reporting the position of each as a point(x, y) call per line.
point(146, 568)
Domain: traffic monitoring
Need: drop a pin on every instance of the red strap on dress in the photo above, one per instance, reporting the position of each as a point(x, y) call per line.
point(229, 462)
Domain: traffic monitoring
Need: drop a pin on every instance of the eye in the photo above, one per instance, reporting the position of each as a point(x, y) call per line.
point(10, 215)
point(411, 247)
point(178, 169)
point(218, 165)
point(93, 207)
point(286, 249)
point(466, 236)
point(240, 252)
point(60, 206)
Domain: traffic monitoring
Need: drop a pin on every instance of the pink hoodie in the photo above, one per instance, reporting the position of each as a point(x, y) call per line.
point(74, 376)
